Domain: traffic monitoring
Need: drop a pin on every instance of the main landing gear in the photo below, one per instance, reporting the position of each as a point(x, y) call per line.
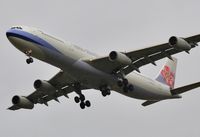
point(125, 85)
point(105, 91)
point(30, 59)
point(81, 98)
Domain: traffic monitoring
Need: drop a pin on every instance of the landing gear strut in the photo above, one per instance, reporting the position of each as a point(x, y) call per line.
point(30, 59)
point(81, 98)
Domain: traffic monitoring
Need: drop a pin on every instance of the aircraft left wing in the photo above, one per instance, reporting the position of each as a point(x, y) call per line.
point(144, 56)
point(62, 84)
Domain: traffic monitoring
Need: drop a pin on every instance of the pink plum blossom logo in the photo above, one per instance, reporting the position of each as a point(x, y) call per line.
point(168, 76)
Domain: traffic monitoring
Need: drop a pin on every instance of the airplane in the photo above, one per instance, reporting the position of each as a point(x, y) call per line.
point(81, 69)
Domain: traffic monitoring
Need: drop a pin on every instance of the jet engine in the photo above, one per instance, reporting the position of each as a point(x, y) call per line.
point(22, 102)
point(179, 43)
point(120, 58)
point(44, 86)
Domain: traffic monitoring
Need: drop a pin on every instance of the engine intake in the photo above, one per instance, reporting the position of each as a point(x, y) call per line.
point(120, 58)
point(179, 43)
point(22, 102)
point(44, 86)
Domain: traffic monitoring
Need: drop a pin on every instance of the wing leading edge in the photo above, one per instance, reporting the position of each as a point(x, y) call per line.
point(141, 57)
point(63, 86)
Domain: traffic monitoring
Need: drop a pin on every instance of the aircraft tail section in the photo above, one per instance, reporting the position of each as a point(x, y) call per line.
point(176, 91)
point(168, 73)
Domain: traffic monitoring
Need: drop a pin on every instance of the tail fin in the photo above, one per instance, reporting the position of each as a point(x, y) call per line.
point(168, 73)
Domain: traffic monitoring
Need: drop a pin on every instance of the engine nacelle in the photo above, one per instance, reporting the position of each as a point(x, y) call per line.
point(119, 57)
point(179, 43)
point(22, 102)
point(44, 86)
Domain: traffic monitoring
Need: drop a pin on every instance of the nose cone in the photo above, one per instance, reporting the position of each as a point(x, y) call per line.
point(11, 33)
point(8, 33)
point(14, 36)
point(14, 31)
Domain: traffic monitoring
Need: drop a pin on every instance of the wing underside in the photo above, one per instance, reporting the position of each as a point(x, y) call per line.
point(141, 57)
point(63, 85)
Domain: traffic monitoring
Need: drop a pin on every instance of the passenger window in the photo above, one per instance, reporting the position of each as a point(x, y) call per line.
point(16, 27)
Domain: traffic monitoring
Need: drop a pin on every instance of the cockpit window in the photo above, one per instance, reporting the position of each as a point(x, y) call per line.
point(16, 27)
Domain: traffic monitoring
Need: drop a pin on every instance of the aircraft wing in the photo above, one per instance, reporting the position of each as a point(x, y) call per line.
point(63, 85)
point(141, 57)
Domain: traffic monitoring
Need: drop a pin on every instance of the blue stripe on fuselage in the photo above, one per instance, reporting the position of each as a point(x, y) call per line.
point(31, 38)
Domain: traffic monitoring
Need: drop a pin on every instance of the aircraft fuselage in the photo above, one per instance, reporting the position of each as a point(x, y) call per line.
point(72, 59)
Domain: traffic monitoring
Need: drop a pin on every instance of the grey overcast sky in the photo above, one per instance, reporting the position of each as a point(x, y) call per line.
point(100, 26)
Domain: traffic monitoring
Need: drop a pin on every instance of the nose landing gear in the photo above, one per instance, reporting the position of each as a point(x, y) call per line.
point(30, 59)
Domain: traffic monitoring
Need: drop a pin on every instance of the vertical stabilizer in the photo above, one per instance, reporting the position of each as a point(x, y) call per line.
point(168, 73)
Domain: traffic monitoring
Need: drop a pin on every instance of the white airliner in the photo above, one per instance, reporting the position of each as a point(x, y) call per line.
point(82, 70)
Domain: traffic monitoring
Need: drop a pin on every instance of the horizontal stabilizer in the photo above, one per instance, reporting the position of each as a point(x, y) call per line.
point(14, 107)
point(149, 102)
point(183, 89)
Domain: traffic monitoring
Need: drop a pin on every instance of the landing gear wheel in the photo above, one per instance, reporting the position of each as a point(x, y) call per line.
point(82, 97)
point(120, 83)
point(125, 89)
point(125, 81)
point(29, 60)
point(76, 99)
point(130, 87)
point(108, 92)
point(104, 93)
point(87, 103)
point(82, 105)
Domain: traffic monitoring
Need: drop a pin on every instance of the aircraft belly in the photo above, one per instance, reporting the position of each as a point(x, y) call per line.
point(89, 75)
point(146, 89)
